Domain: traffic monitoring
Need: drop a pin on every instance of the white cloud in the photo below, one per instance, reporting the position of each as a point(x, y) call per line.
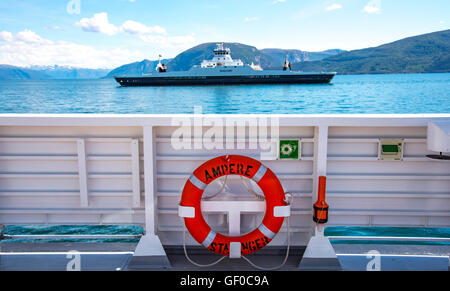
point(6, 36)
point(278, 1)
point(133, 27)
point(373, 7)
point(98, 23)
point(29, 36)
point(250, 19)
point(334, 6)
point(149, 34)
point(26, 48)
point(169, 41)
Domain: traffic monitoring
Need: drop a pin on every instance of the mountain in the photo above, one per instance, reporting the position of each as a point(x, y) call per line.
point(427, 53)
point(8, 72)
point(63, 72)
point(266, 58)
point(136, 69)
point(298, 56)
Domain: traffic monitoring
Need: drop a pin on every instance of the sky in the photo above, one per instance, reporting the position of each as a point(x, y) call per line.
point(110, 33)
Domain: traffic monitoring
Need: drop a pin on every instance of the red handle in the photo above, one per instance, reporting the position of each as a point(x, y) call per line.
point(322, 189)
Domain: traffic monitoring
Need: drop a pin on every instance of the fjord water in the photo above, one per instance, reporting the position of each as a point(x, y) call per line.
point(364, 94)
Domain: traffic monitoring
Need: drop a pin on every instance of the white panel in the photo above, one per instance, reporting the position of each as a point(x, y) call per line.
point(348, 220)
point(109, 166)
point(400, 204)
point(111, 202)
point(29, 147)
point(438, 221)
point(354, 149)
point(105, 147)
point(73, 219)
point(377, 132)
point(40, 202)
point(400, 221)
point(29, 165)
point(23, 218)
point(39, 183)
point(387, 185)
point(416, 149)
point(39, 175)
point(70, 131)
point(389, 167)
point(110, 183)
point(135, 219)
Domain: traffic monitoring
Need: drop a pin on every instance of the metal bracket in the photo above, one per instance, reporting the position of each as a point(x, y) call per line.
point(282, 211)
point(235, 250)
point(186, 212)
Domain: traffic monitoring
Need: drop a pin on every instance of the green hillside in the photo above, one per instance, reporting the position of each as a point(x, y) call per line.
point(428, 53)
point(297, 56)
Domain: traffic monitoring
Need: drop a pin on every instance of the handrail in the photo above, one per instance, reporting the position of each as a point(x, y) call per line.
point(74, 236)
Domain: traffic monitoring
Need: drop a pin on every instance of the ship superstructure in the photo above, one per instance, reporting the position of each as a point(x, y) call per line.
point(222, 69)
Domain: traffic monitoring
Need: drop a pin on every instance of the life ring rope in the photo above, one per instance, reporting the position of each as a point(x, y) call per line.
point(277, 204)
point(288, 245)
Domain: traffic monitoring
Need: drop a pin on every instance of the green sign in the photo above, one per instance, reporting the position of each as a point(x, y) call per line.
point(290, 149)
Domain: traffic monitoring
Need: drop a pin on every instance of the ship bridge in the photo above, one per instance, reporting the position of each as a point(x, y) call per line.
point(222, 57)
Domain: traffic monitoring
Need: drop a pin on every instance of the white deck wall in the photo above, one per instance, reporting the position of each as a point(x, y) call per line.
point(90, 170)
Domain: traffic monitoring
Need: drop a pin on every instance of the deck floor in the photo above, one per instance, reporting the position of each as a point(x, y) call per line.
point(116, 256)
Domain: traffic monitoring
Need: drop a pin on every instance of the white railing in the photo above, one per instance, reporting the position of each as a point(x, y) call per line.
point(122, 169)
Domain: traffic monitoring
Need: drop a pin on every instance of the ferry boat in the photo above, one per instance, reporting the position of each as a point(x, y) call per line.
point(223, 70)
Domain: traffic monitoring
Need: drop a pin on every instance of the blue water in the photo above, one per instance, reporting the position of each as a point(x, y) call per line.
point(137, 230)
point(389, 232)
point(414, 93)
point(72, 230)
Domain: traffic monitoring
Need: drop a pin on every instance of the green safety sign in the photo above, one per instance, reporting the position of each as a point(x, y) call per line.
point(289, 149)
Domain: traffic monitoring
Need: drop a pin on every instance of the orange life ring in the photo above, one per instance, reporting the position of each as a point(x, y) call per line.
point(233, 165)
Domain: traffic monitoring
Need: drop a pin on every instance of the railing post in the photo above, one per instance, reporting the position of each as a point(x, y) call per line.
point(151, 223)
point(319, 254)
point(136, 173)
point(320, 159)
point(149, 253)
point(82, 173)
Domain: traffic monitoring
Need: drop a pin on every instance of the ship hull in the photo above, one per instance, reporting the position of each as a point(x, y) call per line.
point(315, 78)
